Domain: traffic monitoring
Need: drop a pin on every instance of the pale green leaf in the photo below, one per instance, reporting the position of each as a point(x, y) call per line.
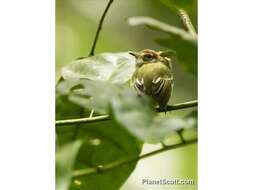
point(65, 161)
point(113, 67)
point(161, 26)
point(133, 112)
point(103, 143)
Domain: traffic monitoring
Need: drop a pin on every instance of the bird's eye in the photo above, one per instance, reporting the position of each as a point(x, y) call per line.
point(147, 57)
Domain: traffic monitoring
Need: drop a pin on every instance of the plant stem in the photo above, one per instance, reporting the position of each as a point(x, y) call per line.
point(99, 28)
point(82, 120)
point(110, 166)
point(107, 117)
point(187, 22)
point(183, 105)
point(180, 134)
point(91, 113)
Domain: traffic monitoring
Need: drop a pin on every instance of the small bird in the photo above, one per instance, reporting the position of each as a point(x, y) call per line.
point(153, 76)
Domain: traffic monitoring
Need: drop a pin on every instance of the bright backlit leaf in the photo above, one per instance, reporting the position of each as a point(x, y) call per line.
point(113, 67)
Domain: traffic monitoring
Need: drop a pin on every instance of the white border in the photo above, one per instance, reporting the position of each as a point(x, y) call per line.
point(225, 94)
point(27, 95)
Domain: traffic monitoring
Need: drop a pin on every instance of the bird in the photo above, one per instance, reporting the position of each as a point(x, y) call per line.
point(153, 76)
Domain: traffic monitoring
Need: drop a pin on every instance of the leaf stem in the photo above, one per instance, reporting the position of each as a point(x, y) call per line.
point(110, 166)
point(180, 134)
point(99, 28)
point(107, 117)
point(91, 113)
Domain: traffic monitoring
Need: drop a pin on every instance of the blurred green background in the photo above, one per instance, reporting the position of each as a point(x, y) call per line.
point(76, 24)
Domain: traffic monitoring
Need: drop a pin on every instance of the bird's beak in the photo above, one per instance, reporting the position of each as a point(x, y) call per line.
point(135, 54)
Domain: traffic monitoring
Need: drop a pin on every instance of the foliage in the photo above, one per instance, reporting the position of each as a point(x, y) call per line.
point(158, 25)
point(186, 52)
point(179, 40)
point(65, 160)
point(103, 142)
point(125, 106)
point(188, 5)
point(91, 86)
point(115, 68)
point(99, 85)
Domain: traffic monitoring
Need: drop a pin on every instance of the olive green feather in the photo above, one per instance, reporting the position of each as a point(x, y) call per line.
point(154, 78)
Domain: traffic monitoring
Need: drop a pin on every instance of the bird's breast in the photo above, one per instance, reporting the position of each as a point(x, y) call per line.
point(148, 73)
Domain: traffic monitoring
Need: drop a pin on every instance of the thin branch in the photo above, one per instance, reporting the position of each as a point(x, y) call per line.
point(110, 166)
point(91, 113)
point(184, 105)
point(187, 22)
point(82, 120)
point(180, 134)
point(99, 28)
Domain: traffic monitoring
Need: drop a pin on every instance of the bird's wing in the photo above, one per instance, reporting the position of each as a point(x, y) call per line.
point(162, 89)
point(139, 85)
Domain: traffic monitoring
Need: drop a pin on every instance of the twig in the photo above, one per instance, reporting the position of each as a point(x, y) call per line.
point(91, 113)
point(110, 166)
point(184, 105)
point(99, 28)
point(107, 117)
point(82, 120)
point(187, 22)
point(180, 134)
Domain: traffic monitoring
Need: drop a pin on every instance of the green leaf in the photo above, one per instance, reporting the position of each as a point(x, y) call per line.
point(113, 67)
point(134, 113)
point(178, 3)
point(65, 159)
point(104, 143)
point(161, 26)
point(189, 131)
point(179, 40)
point(168, 53)
point(138, 116)
point(187, 52)
point(103, 87)
point(192, 118)
point(190, 6)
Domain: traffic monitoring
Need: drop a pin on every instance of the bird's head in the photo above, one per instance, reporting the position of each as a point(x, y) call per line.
point(147, 56)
